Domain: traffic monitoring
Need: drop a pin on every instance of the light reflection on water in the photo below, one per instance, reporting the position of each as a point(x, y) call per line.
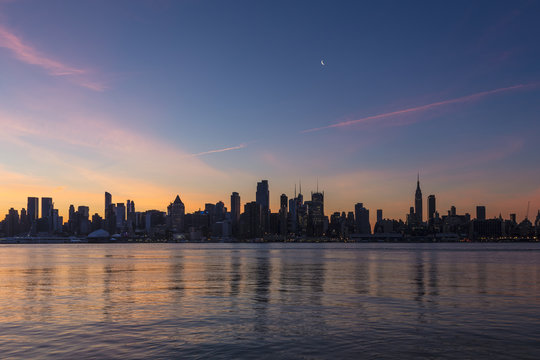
point(270, 301)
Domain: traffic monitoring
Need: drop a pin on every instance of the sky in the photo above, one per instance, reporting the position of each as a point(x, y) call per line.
point(149, 99)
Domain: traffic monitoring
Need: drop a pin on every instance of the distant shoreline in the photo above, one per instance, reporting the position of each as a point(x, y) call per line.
point(15, 241)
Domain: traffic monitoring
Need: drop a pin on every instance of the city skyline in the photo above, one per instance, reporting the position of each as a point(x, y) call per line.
point(262, 192)
point(148, 100)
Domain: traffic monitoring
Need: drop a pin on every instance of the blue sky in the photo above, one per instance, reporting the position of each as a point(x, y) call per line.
point(130, 96)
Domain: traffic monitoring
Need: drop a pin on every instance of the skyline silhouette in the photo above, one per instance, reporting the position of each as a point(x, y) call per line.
point(298, 217)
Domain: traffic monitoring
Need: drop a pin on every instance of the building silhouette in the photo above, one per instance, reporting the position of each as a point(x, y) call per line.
point(283, 215)
point(431, 207)
point(262, 197)
point(418, 202)
point(361, 215)
point(46, 207)
point(120, 215)
point(235, 208)
point(175, 215)
point(480, 213)
point(252, 220)
point(108, 202)
point(32, 209)
point(315, 211)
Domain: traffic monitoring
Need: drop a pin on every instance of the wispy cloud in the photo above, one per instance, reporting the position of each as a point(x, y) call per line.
point(426, 107)
point(28, 54)
point(241, 146)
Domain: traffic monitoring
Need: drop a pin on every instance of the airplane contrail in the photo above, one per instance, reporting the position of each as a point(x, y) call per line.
point(241, 146)
point(422, 108)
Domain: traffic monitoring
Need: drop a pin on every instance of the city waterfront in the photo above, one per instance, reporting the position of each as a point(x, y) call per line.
point(270, 300)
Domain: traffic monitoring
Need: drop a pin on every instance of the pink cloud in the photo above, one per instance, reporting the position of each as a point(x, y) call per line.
point(426, 107)
point(29, 55)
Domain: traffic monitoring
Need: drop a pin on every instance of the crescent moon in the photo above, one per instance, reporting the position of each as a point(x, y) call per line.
point(322, 63)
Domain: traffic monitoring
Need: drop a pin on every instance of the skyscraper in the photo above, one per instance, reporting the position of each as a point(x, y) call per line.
point(11, 227)
point(283, 202)
point(292, 218)
point(252, 224)
point(219, 211)
point(108, 202)
point(120, 215)
point(418, 202)
point(128, 208)
point(480, 213)
point(46, 207)
point(263, 194)
point(317, 201)
point(262, 197)
point(379, 215)
point(176, 213)
point(235, 211)
point(431, 207)
point(32, 209)
point(362, 219)
point(283, 226)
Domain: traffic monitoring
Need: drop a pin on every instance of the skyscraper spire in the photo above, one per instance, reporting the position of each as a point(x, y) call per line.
point(418, 201)
point(300, 186)
point(317, 184)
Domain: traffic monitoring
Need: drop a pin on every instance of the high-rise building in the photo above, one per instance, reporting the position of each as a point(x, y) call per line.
point(235, 208)
point(71, 213)
point(379, 215)
point(210, 210)
point(317, 201)
point(84, 212)
point(110, 219)
point(418, 202)
point(219, 211)
point(108, 202)
point(361, 215)
point(263, 194)
point(292, 218)
point(480, 213)
point(283, 223)
point(12, 223)
point(262, 197)
point(54, 221)
point(283, 202)
point(120, 215)
point(252, 220)
point(128, 208)
point(431, 207)
point(46, 207)
point(176, 212)
point(24, 222)
point(97, 222)
point(32, 209)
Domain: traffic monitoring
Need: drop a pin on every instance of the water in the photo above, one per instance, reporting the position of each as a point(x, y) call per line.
point(147, 301)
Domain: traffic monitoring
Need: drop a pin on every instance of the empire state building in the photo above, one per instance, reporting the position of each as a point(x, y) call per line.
point(418, 202)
